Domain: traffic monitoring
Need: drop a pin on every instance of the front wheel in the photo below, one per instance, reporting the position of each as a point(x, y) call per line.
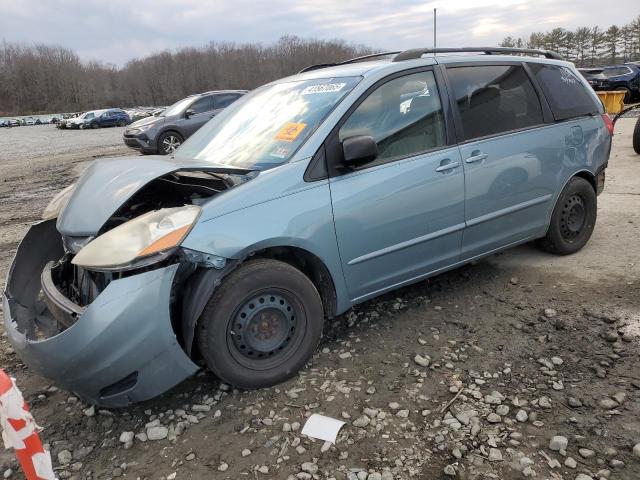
point(573, 218)
point(261, 325)
point(168, 143)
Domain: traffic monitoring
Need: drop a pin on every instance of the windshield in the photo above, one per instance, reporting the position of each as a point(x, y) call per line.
point(266, 128)
point(176, 108)
point(87, 115)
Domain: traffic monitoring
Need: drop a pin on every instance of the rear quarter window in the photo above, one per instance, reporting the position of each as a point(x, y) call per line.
point(568, 97)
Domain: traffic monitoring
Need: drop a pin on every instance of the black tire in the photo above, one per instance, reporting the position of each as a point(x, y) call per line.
point(573, 219)
point(168, 142)
point(94, 125)
point(636, 137)
point(628, 94)
point(289, 311)
point(122, 123)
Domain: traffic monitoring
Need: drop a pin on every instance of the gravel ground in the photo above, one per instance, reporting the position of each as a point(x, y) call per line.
point(520, 365)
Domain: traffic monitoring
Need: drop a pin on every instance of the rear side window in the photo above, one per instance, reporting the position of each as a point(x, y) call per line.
point(568, 97)
point(203, 104)
point(493, 99)
point(225, 99)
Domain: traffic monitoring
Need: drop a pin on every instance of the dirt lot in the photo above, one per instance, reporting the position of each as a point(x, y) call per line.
point(539, 346)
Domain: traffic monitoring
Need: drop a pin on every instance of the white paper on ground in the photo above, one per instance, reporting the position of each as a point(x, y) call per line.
point(323, 428)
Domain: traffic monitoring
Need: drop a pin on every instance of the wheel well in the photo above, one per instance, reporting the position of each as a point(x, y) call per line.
point(169, 130)
point(589, 178)
point(312, 267)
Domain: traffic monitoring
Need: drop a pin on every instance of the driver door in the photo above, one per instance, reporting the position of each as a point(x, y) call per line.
point(202, 113)
point(401, 216)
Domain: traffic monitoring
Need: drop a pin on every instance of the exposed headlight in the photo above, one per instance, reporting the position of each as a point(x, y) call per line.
point(57, 203)
point(139, 242)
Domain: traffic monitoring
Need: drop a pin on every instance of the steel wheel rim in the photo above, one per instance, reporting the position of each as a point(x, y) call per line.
point(170, 143)
point(261, 346)
point(573, 217)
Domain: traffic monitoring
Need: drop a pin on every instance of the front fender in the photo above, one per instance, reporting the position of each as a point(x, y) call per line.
point(302, 219)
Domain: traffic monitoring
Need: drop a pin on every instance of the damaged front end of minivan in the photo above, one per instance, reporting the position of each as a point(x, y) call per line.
point(102, 299)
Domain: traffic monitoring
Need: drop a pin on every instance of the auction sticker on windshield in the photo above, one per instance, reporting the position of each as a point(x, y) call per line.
point(323, 88)
point(290, 131)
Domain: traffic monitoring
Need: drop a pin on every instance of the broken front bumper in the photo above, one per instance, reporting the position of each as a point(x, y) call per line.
point(119, 349)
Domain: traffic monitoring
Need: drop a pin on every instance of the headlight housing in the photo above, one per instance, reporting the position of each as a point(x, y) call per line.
point(57, 203)
point(139, 242)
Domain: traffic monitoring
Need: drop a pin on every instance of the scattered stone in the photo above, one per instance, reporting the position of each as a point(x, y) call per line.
point(636, 450)
point(502, 410)
point(157, 433)
point(586, 453)
point(65, 457)
point(402, 413)
point(495, 455)
point(522, 416)
point(422, 361)
point(309, 467)
point(544, 402)
point(582, 476)
point(190, 457)
point(550, 312)
point(608, 403)
point(570, 463)
point(263, 469)
point(126, 437)
point(223, 467)
point(362, 421)
point(557, 361)
point(558, 443)
point(494, 418)
point(450, 471)
point(574, 402)
point(620, 397)
point(90, 412)
point(246, 452)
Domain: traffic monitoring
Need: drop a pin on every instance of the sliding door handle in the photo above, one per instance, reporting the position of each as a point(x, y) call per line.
point(476, 156)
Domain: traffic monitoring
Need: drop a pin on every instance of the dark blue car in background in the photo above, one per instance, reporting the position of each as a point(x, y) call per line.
point(616, 77)
point(114, 117)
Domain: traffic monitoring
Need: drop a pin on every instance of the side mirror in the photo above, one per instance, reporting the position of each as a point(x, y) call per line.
point(189, 113)
point(359, 150)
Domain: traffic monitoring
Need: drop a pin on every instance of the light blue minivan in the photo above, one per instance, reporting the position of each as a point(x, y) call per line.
point(305, 197)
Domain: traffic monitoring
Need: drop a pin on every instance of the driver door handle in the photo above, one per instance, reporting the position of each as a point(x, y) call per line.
point(446, 165)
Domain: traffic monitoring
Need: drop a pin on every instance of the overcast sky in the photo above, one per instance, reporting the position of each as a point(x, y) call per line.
point(118, 30)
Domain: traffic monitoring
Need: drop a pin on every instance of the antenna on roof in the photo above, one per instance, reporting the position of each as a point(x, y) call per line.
point(434, 28)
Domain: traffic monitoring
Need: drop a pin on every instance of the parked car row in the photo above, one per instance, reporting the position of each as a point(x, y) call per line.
point(27, 121)
point(625, 77)
point(112, 117)
point(166, 130)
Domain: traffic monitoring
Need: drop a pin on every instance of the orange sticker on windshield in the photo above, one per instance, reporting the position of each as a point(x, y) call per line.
point(290, 131)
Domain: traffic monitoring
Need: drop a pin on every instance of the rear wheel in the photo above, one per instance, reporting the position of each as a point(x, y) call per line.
point(573, 219)
point(627, 95)
point(636, 137)
point(261, 325)
point(169, 142)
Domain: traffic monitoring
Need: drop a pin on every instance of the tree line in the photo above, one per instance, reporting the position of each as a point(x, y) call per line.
point(45, 79)
point(587, 46)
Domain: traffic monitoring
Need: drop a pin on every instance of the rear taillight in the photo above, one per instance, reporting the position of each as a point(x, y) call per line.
point(608, 123)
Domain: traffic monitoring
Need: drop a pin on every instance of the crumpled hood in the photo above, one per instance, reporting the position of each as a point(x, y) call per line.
point(110, 182)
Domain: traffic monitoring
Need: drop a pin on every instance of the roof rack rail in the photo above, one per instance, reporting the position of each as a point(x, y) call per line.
point(345, 62)
point(418, 52)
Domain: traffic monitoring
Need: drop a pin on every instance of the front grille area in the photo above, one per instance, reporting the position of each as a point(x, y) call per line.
point(79, 285)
